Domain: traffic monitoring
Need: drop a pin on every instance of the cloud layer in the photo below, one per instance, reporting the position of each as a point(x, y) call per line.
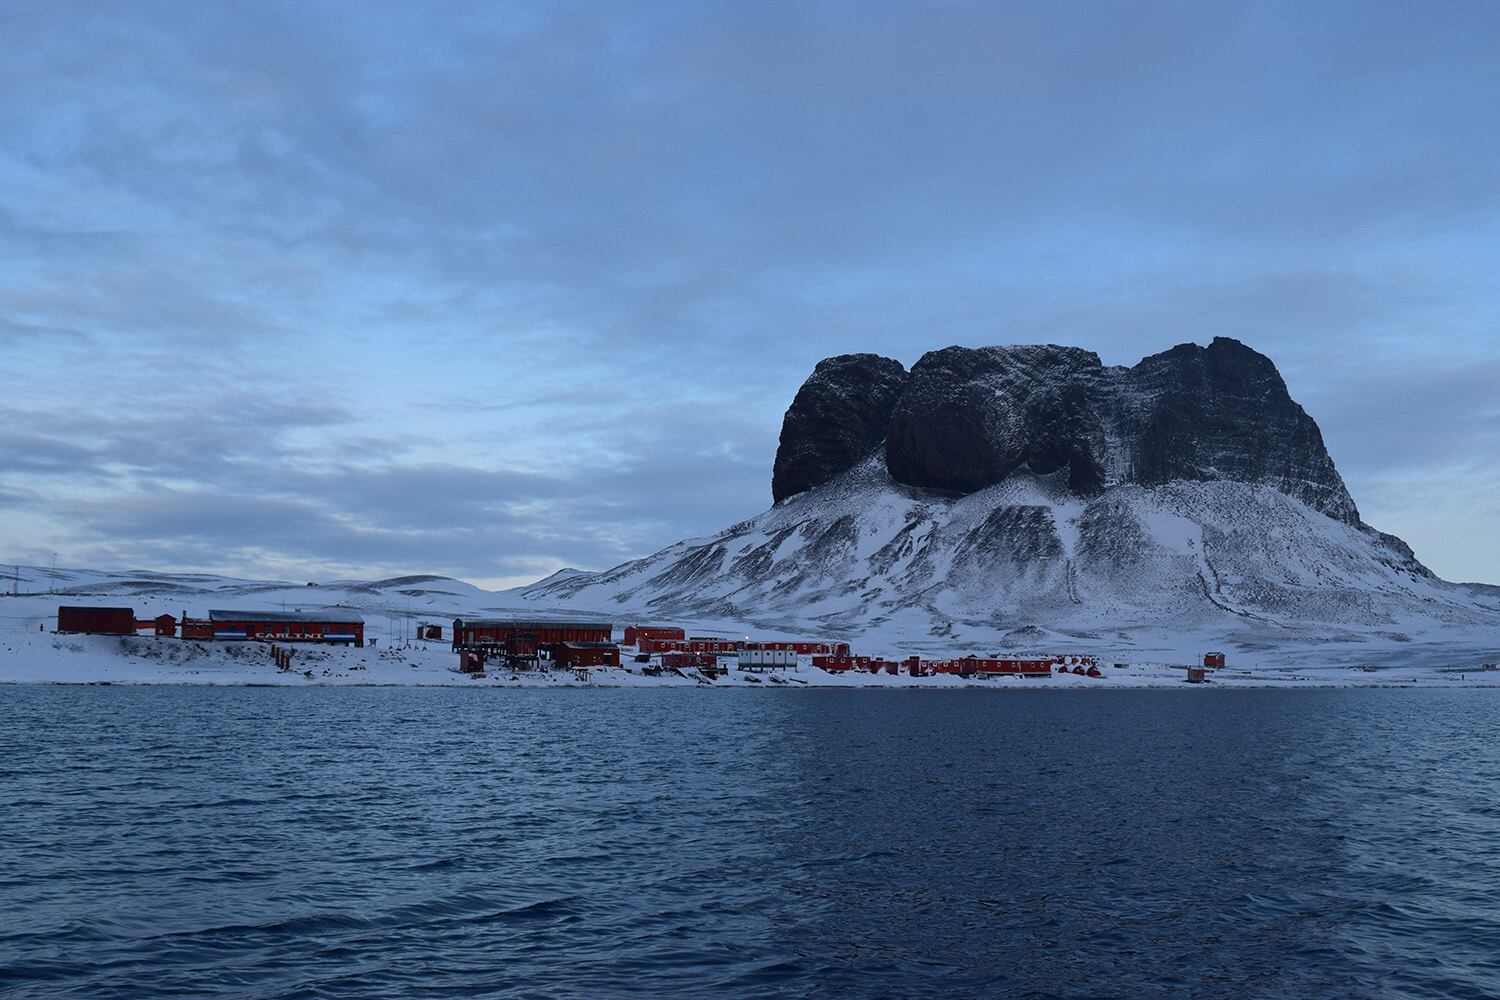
point(316, 288)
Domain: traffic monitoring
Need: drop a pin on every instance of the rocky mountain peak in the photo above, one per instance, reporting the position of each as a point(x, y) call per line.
point(1028, 495)
point(965, 419)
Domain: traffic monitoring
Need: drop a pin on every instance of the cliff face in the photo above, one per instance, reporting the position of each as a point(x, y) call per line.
point(973, 416)
point(838, 418)
point(1223, 413)
point(968, 418)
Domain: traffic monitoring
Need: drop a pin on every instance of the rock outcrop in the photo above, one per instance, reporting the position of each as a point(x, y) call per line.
point(968, 418)
point(838, 417)
point(1223, 413)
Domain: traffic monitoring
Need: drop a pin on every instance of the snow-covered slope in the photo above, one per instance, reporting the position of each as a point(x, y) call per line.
point(864, 555)
point(1142, 575)
point(430, 598)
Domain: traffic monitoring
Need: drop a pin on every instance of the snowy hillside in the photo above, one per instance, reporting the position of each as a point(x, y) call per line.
point(862, 555)
point(385, 603)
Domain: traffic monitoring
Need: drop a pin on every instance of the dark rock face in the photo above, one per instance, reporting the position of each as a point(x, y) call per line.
point(1223, 412)
point(838, 417)
point(972, 416)
point(967, 418)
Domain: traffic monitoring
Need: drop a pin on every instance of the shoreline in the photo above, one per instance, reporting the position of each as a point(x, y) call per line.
point(104, 661)
point(688, 684)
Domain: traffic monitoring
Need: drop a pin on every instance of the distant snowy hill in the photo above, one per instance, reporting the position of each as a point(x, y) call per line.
point(429, 597)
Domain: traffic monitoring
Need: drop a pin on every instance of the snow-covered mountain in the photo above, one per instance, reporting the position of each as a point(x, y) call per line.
point(862, 549)
point(1018, 499)
point(1046, 496)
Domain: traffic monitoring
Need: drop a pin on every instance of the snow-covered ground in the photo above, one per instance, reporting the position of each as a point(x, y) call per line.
point(31, 653)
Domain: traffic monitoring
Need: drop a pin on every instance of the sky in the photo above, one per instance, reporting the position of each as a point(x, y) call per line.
point(317, 290)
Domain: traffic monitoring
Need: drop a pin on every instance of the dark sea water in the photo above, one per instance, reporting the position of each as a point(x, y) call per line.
point(597, 843)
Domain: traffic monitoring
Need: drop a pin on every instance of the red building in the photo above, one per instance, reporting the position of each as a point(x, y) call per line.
point(1213, 661)
point(968, 666)
point(196, 628)
point(523, 637)
point(584, 654)
point(696, 644)
point(635, 633)
point(1036, 667)
point(836, 663)
point(332, 625)
point(987, 666)
point(679, 661)
point(650, 643)
point(96, 621)
point(803, 648)
point(162, 625)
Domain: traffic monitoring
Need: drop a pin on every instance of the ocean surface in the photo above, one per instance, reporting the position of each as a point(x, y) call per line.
point(257, 842)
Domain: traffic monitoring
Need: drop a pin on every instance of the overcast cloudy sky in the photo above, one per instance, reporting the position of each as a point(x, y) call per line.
point(325, 289)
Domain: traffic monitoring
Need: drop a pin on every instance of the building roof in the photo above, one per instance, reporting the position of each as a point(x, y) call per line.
point(530, 623)
point(339, 616)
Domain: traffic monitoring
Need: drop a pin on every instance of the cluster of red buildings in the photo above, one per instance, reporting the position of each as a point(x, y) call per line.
point(528, 641)
point(572, 643)
point(968, 666)
point(1211, 661)
point(838, 663)
point(335, 625)
point(676, 649)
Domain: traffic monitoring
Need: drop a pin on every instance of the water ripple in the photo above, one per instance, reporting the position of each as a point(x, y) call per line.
point(204, 842)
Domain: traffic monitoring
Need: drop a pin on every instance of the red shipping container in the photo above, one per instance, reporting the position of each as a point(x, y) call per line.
point(96, 621)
